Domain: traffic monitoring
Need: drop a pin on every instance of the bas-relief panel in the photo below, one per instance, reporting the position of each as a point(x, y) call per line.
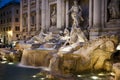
point(113, 13)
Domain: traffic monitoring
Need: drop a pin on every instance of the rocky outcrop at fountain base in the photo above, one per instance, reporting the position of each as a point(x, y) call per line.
point(70, 53)
point(10, 55)
point(75, 58)
point(93, 56)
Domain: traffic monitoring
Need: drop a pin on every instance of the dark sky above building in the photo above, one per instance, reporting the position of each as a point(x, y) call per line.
point(4, 2)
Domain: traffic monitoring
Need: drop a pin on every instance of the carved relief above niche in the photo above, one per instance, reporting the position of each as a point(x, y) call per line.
point(113, 13)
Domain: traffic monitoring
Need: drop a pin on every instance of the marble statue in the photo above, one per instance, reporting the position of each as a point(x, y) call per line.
point(76, 35)
point(66, 32)
point(74, 58)
point(53, 16)
point(114, 9)
point(76, 14)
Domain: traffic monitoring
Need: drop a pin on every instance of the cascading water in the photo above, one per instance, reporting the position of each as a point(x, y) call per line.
point(36, 57)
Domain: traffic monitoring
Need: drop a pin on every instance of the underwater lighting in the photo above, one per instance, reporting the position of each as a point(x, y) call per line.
point(45, 68)
point(94, 77)
point(3, 62)
point(42, 78)
point(101, 74)
point(49, 76)
point(79, 75)
point(118, 47)
point(3, 58)
point(34, 76)
point(112, 74)
point(10, 63)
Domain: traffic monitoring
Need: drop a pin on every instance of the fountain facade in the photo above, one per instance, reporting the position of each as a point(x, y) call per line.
point(73, 44)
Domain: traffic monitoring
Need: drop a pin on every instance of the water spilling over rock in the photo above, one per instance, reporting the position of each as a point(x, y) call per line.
point(37, 57)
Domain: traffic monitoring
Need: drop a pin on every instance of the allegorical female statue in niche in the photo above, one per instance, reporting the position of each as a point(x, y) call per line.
point(114, 9)
point(76, 14)
point(53, 16)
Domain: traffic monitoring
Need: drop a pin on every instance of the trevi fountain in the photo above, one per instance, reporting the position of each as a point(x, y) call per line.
point(69, 53)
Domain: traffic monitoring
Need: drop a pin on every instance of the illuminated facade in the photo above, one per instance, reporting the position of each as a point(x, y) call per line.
point(36, 15)
point(30, 18)
point(10, 22)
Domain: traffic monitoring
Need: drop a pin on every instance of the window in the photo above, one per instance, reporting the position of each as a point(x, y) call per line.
point(17, 28)
point(1, 14)
point(16, 20)
point(6, 28)
point(17, 11)
point(24, 21)
point(17, 35)
point(3, 29)
point(25, 1)
point(4, 20)
point(9, 12)
point(4, 13)
point(10, 20)
point(1, 21)
point(32, 20)
point(9, 28)
point(7, 20)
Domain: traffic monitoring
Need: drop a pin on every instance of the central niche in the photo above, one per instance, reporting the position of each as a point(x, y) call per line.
point(84, 4)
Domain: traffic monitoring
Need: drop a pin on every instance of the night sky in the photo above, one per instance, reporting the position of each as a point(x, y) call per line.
point(3, 2)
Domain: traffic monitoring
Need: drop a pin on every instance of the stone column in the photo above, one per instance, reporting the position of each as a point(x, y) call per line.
point(59, 12)
point(62, 14)
point(90, 13)
point(43, 15)
point(37, 15)
point(28, 15)
point(97, 14)
point(47, 15)
point(21, 18)
point(95, 18)
point(67, 16)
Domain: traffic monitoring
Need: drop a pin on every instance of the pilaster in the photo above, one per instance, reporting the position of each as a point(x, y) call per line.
point(37, 15)
point(95, 18)
point(21, 18)
point(59, 13)
point(28, 15)
point(43, 15)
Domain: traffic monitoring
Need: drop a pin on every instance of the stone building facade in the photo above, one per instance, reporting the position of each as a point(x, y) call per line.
point(10, 22)
point(98, 18)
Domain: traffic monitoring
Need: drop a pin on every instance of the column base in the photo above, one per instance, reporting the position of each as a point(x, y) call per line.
point(94, 33)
